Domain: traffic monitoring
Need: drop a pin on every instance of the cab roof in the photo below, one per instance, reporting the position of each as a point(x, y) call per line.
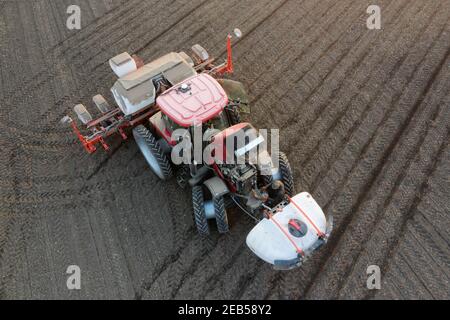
point(193, 101)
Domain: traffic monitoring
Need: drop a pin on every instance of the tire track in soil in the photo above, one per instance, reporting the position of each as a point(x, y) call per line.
point(38, 232)
point(221, 255)
point(349, 135)
point(130, 225)
point(412, 178)
point(9, 51)
point(429, 212)
point(51, 37)
point(267, 53)
point(14, 224)
point(67, 196)
point(78, 241)
point(99, 46)
point(183, 232)
point(312, 173)
point(37, 86)
point(292, 281)
point(377, 166)
point(330, 113)
point(134, 245)
point(398, 214)
point(95, 25)
point(98, 26)
point(49, 72)
point(14, 215)
point(416, 250)
point(264, 99)
point(315, 98)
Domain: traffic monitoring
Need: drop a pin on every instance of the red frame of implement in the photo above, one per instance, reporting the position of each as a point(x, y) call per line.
point(90, 142)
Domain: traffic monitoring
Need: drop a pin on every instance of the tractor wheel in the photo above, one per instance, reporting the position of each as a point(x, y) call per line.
point(234, 116)
point(199, 211)
point(152, 152)
point(286, 174)
point(221, 215)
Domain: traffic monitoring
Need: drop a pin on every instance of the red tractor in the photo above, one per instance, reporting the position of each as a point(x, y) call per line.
point(168, 104)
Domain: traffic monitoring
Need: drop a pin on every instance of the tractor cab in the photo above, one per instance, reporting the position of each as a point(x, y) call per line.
point(237, 144)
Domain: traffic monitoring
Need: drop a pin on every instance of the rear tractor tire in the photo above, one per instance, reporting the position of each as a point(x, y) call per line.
point(152, 152)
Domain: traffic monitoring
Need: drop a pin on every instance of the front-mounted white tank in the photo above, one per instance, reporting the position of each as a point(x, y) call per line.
point(291, 234)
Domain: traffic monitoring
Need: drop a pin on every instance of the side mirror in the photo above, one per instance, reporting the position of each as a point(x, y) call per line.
point(236, 92)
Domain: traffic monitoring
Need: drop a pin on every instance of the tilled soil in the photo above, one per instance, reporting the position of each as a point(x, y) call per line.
point(364, 120)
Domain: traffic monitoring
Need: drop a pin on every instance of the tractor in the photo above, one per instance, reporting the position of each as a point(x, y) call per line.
point(178, 107)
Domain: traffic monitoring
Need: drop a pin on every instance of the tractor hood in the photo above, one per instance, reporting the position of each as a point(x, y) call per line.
point(193, 101)
point(291, 234)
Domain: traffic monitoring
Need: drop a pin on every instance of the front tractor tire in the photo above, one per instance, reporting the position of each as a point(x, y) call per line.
point(212, 209)
point(286, 174)
point(152, 152)
point(198, 204)
point(221, 215)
